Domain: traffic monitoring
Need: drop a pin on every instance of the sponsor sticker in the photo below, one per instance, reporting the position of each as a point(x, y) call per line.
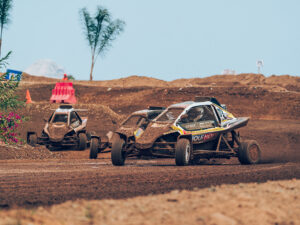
point(198, 138)
point(203, 137)
point(138, 132)
point(209, 136)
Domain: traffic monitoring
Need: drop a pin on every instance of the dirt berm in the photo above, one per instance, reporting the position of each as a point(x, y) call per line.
point(275, 202)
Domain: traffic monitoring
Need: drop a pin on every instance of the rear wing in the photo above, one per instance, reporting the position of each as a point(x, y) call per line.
point(156, 108)
point(211, 99)
point(81, 110)
point(65, 106)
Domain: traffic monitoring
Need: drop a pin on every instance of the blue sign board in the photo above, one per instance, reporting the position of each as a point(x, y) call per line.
point(13, 75)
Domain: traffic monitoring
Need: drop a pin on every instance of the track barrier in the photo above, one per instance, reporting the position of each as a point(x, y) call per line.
point(63, 93)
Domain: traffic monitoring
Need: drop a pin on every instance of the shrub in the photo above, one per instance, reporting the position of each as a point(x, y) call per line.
point(8, 125)
point(9, 103)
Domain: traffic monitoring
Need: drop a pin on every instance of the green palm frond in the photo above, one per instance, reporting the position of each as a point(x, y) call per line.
point(112, 30)
point(5, 7)
point(3, 61)
point(88, 25)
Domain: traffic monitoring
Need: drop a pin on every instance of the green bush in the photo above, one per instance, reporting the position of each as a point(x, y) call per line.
point(9, 103)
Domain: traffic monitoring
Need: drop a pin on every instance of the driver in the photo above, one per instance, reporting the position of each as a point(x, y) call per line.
point(195, 114)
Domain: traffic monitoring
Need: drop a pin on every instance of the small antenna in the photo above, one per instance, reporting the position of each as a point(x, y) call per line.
point(259, 64)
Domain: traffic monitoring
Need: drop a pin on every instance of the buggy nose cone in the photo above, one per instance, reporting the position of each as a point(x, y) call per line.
point(56, 139)
point(153, 131)
point(143, 145)
point(57, 133)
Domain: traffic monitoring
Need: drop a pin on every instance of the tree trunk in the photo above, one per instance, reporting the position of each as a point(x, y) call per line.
point(1, 29)
point(92, 67)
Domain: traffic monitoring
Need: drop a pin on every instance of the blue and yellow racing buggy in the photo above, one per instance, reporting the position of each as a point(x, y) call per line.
point(188, 131)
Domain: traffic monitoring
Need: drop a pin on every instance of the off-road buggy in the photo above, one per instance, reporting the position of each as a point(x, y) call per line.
point(134, 124)
point(188, 131)
point(65, 128)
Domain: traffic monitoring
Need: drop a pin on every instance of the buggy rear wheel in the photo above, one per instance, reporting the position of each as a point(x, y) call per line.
point(82, 141)
point(32, 140)
point(117, 152)
point(183, 152)
point(249, 152)
point(94, 148)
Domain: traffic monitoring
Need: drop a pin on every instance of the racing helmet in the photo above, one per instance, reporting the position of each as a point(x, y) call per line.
point(196, 112)
point(199, 112)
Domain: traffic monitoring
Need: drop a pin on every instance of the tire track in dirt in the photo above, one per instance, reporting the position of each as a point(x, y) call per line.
point(46, 186)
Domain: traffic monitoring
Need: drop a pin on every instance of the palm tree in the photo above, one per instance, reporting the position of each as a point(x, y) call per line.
point(5, 8)
point(100, 31)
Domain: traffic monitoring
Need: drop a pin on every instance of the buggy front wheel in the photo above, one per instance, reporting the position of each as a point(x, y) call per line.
point(82, 141)
point(94, 148)
point(183, 152)
point(32, 140)
point(117, 152)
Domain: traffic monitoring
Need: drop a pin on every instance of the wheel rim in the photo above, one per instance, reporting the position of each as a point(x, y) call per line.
point(187, 153)
point(254, 152)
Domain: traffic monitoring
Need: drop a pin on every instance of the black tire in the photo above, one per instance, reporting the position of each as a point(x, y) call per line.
point(82, 141)
point(117, 152)
point(94, 148)
point(32, 140)
point(183, 152)
point(249, 152)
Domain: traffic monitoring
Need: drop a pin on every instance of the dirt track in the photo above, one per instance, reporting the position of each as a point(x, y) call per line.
point(68, 175)
point(253, 203)
point(32, 183)
point(40, 177)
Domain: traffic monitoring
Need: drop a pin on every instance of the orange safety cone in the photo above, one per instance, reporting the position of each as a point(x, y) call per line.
point(28, 98)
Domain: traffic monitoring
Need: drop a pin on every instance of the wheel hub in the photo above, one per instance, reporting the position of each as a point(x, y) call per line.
point(254, 152)
point(187, 153)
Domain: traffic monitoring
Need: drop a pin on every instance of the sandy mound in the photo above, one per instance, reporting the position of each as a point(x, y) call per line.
point(274, 82)
point(26, 152)
point(268, 203)
point(283, 82)
point(31, 78)
point(133, 81)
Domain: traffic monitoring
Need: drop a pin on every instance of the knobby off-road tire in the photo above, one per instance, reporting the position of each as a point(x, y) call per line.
point(249, 152)
point(94, 148)
point(32, 140)
point(82, 141)
point(117, 152)
point(183, 152)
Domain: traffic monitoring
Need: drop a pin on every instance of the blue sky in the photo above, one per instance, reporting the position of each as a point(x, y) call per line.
point(165, 39)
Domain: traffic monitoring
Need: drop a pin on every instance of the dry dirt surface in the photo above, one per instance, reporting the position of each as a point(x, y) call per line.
point(31, 183)
point(35, 176)
point(275, 202)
